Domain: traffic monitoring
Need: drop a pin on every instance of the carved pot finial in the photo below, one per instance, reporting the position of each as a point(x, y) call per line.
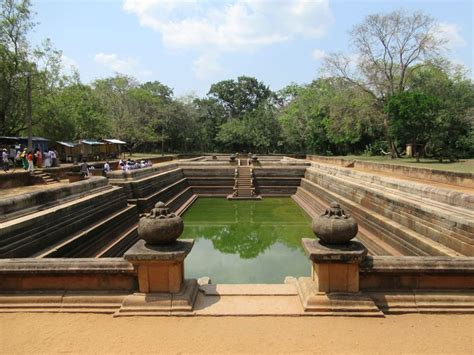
point(334, 226)
point(160, 226)
point(232, 157)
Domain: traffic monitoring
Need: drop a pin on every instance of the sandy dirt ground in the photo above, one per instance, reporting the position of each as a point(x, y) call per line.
point(101, 334)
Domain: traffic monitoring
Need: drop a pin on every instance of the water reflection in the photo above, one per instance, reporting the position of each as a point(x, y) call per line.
point(247, 241)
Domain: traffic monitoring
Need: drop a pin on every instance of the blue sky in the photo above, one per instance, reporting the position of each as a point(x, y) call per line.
point(188, 45)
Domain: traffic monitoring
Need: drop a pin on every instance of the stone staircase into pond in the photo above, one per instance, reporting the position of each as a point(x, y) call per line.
point(47, 178)
point(96, 223)
point(243, 186)
point(395, 216)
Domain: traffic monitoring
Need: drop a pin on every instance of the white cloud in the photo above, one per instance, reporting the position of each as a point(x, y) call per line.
point(450, 33)
point(207, 66)
point(67, 62)
point(223, 26)
point(318, 54)
point(68, 65)
point(124, 66)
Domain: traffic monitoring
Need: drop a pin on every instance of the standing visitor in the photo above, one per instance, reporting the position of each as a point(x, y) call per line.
point(39, 158)
point(24, 160)
point(13, 153)
point(106, 168)
point(47, 159)
point(6, 166)
point(53, 157)
point(29, 158)
point(84, 168)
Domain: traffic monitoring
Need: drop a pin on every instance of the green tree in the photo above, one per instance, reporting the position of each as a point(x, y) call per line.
point(240, 96)
point(302, 118)
point(15, 23)
point(454, 136)
point(388, 47)
point(19, 63)
point(413, 118)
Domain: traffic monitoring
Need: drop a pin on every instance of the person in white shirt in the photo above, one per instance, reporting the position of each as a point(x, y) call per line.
point(6, 165)
point(47, 159)
point(52, 157)
point(107, 168)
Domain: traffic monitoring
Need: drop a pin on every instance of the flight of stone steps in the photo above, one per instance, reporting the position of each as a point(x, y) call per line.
point(98, 223)
point(394, 216)
point(47, 178)
point(243, 186)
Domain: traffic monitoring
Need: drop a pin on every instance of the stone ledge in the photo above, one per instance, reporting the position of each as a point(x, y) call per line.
point(62, 302)
point(335, 303)
point(353, 252)
point(24, 203)
point(65, 266)
point(153, 304)
point(141, 252)
point(456, 301)
point(248, 290)
point(418, 264)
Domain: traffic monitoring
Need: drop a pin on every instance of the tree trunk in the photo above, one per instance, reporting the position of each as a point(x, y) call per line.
point(162, 142)
point(390, 141)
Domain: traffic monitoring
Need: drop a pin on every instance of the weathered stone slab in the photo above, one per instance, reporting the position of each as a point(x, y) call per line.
point(176, 251)
point(335, 303)
point(354, 252)
point(156, 304)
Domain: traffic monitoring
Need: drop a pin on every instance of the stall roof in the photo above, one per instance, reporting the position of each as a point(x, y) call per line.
point(115, 141)
point(68, 144)
point(91, 142)
point(37, 139)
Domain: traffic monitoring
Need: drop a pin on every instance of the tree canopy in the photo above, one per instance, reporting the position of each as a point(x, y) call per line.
point(396, 88)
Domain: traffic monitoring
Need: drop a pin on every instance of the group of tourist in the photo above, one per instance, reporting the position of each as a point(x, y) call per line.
point(28, 159)
point(132, 164)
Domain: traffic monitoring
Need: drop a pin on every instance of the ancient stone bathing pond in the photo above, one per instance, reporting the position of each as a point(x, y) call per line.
point(246, 241)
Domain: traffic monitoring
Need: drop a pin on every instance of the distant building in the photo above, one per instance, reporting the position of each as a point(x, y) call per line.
point(21, 142)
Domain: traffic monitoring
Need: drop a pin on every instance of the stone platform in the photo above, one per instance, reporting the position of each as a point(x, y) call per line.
point(237, 300)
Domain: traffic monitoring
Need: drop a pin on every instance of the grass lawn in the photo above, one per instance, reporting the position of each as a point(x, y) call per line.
point(463, 166)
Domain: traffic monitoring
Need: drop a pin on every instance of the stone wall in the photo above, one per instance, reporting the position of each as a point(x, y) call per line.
point(278, 180)
point(109, 275)
point(448, 177)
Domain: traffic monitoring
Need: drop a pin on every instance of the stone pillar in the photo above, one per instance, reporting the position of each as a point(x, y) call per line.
point(160, 268)
point(335, 268)
point(158, 259)
point(333, 288)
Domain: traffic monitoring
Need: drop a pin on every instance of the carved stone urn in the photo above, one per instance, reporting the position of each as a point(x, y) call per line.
point(232, 157)
point(334, 226)
point(160, 226)
point(254, 158)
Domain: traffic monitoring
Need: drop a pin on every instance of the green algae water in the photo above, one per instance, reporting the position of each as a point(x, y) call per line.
point(246, 241)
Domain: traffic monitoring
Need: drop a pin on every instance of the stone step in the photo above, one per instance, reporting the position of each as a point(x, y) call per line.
point(315, 206)
point(87, 242)
point(57, 216)
point(462, 212)
point(27, 235)
point(180, 211)
point(413, 188)
point(119, 245)
point(398, 236)
point(177, 201)
point(443, 226)
point(165, 194)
